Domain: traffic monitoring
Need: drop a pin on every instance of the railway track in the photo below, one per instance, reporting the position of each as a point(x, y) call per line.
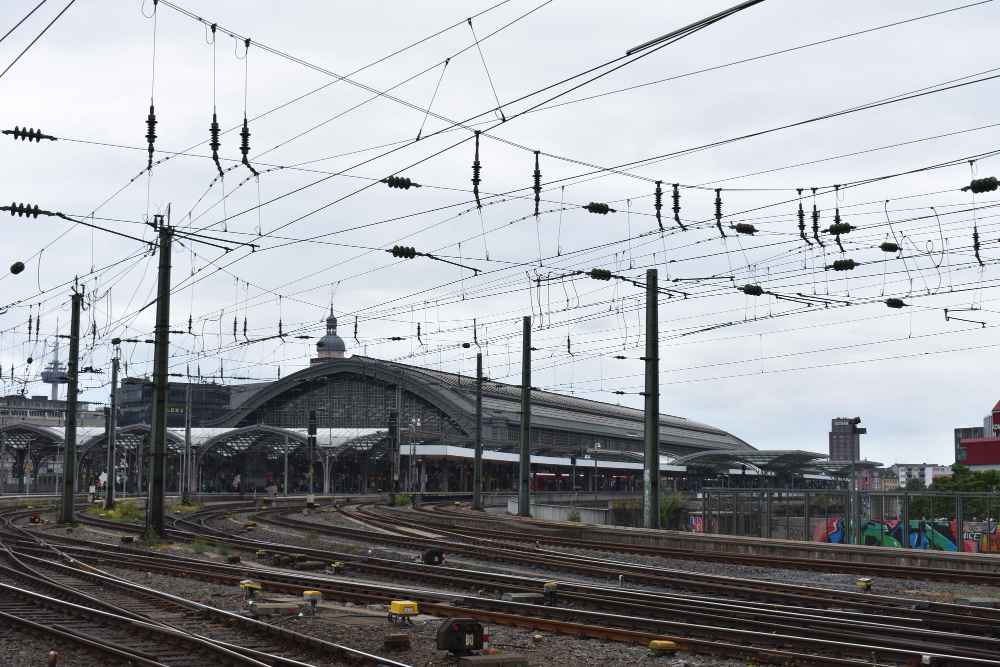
point(470, 525)
point(783, 624)
point(42, 586)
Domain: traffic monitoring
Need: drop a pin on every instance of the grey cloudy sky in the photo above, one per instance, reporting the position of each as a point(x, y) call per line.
point(773, 377)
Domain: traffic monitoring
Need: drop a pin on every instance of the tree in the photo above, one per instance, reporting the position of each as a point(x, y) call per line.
point(915, 484)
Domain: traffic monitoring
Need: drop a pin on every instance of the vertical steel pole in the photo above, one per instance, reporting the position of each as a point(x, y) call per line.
point(186, 464)
point(959, 520)
point(109, 495)
point(477, 466)
point(69, 448)
point(158, 436)
point(524, 488)
point(806, 519)
point(905, 533)
point(286, 465)
point(312, 449)
point(651, 430)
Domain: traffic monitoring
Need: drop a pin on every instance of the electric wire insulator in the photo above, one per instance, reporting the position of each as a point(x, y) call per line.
point(405, 252)
point(976, 245)
point(978, 185)
point(16, 268)
point(894, 302)
point(745, 228)
point(600, 274)
point(752, 290)
point(839, 227)
point(400, 182)
point(843, 265)
point(815, 219)
point(476, 168)
point(245, 146)
point(150, 134)
point(245, 329)
point(214, 143)
point(29, 135)
point(658, 203)
point(599, 207)
point(537, 187)
point(889, 246)
point(24, 210)
point(718, 211)
point(677, 206)
point(802, 220)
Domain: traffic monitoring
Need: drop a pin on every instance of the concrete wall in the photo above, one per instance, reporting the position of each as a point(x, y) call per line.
point(548, 512)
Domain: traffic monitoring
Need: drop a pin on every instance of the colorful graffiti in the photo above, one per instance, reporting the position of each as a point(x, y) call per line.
point(696, 523)
point(940, 535)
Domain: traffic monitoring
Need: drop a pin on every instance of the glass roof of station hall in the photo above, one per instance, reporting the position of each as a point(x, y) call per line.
point(226, 441)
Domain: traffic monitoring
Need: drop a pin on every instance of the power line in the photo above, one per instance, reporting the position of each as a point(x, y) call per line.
point(26, 17)
point(32, 42)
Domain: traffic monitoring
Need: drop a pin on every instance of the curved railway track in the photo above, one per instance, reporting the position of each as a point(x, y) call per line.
point(765, 621)
point(46, 588)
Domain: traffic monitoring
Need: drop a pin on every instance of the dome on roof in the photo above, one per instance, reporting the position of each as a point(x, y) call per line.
point(331, 346)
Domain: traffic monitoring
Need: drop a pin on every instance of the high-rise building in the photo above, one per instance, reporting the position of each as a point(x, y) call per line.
point(845, 439)
point(966, 433)
point(135, 402)
point(42, 411)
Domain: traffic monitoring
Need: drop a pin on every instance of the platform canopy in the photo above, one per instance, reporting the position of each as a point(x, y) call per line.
point(843, 468)
point(276, 441)
point(761, 460)
point(48, 440)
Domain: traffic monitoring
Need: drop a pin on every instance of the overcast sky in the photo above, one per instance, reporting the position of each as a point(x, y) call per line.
point(774, 375)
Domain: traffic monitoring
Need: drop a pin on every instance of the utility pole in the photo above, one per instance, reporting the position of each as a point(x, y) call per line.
point(285, 451)
point(73, 376)
point(524, 488)
point(393, 451)
point(186, 463)
point(651, 430)
point(312, 449)
point(154, 505)
point(112, 422)
point(477, 465)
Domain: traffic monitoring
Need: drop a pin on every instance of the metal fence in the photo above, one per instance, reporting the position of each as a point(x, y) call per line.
point(917, 519)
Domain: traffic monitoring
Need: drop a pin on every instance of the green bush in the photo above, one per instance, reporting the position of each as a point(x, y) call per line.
point(199, 546)
point(672, 510)
point(125, 511)
point(400, 499)
point(574, 516)
point(184, 508)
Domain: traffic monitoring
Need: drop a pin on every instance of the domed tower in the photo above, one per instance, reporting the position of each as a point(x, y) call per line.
point(330, 346)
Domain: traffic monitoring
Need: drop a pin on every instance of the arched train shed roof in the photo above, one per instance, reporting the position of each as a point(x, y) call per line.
point(454, 395)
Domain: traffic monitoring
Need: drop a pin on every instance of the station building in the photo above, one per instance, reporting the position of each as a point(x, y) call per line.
point(385, 425)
